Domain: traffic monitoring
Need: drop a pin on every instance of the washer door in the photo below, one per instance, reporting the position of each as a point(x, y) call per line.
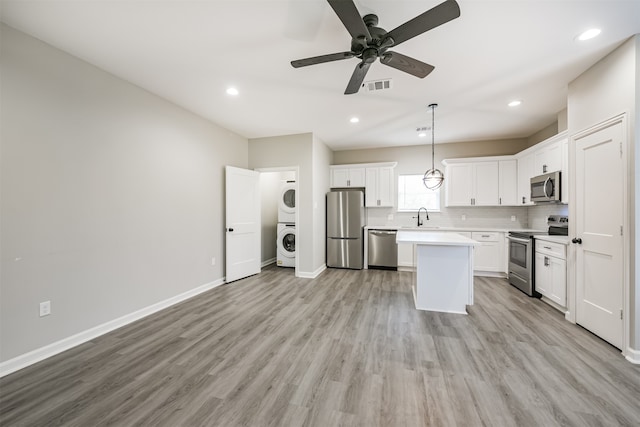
point(287, 242)
point(287, 201)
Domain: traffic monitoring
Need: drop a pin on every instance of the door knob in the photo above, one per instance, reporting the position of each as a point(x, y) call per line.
point(576, 240)
point(230, 229)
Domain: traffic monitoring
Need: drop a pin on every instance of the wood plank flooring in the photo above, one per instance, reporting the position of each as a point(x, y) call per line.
point(347, 348)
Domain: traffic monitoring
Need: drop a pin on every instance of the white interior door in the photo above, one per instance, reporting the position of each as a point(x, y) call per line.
point(599, 219)
point(242, 239)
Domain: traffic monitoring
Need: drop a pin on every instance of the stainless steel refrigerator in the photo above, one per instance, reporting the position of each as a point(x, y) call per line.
point(345, 229)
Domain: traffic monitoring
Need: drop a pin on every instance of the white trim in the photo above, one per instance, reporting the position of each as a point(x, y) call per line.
point(314, 274)
point(32, 357)
point(633, 356)
point(268, 262)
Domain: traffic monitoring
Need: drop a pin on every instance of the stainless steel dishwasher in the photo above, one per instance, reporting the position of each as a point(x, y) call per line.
point(383, 249)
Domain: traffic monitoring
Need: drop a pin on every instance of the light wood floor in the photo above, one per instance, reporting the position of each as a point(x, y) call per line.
point(347, 348)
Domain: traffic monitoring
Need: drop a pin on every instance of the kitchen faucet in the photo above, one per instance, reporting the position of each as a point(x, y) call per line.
point(426, 212)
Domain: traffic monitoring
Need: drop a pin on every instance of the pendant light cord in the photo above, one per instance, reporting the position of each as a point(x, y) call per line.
point(433, 133)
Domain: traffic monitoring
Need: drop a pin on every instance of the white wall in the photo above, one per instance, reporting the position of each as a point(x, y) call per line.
point(112, 198)
point(322, 157)
point(609, 88)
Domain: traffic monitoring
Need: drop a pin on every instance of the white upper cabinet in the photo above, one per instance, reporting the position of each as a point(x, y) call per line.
point(342, 177)
point(380, 184)
point(481, 182)
point(377, 179)
point(564, 174)
point(525, 172)
point(548, 158)
point(508, 186)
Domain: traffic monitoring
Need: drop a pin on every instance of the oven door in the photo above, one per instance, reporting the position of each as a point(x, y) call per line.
point(521, 264)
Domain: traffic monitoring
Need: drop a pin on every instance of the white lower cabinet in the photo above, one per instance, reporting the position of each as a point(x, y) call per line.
point(551, 271)
point(488, 255)
point(405, 256)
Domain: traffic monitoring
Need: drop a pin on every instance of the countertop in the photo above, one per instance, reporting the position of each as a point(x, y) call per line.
point(433, 238)
point(431, 228)
point(556, 239)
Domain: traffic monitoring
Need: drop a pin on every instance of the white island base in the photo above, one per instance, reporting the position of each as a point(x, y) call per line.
point(444, 270)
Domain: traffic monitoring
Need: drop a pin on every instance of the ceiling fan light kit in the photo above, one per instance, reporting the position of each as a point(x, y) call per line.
point(369, 42)
point(433, 178)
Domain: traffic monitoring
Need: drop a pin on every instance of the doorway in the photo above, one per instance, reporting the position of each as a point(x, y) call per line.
point(272, 181)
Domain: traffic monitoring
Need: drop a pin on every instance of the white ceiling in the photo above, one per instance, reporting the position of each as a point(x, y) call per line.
point(189, 52)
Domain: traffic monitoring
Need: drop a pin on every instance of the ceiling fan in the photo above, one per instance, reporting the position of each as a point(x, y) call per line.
point(369, 42)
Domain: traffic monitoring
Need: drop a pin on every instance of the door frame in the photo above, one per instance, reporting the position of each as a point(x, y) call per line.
point(296, 171)
point(572, 302)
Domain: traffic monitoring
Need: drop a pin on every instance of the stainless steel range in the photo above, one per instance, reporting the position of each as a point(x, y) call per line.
point(521, 253)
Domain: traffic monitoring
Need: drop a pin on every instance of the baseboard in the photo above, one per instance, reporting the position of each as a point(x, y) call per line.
point(633, 356)
point(481, 273)
point(267, 262)
point(314, 274)
point(27, 359)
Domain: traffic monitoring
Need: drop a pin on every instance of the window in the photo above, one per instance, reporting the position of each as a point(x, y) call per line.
point(412, 194)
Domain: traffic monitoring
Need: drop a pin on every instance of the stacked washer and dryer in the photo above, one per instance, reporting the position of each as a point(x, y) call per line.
point(286, 251)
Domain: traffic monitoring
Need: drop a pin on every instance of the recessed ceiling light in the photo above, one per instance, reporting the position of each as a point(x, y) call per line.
point(354, 120)
point(589, 34)
point(232, 91)
point(514, 103)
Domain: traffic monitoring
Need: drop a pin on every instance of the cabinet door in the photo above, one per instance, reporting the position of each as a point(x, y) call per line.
point(339, 177)
point(405, 256)
point(371, 188)
point(508, 187)
point(548, 159)
point(458, 184)
point(386, 186)
point(525, 172)
point(542, 278)
point(486, 257)
point(558, 278)
point(486, 184)
point(357, 177)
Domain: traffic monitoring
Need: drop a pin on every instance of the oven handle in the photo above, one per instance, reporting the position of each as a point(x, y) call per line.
point(516, 239)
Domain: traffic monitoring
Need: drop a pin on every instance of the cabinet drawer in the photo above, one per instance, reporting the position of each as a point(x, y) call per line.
point(551, 248)
point(486, 236)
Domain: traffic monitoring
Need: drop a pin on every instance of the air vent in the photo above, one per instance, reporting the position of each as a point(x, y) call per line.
point(375, 85)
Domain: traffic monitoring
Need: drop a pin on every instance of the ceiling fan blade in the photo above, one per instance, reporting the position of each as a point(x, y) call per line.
point(357, 78)
point(441, 14)
point(351, 19)
point(320, 59)
point(407, 64)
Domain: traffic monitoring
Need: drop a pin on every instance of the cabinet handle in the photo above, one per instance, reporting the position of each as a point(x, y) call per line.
point(544, 168)
point(546, 261)
point(523, 202)
point(348, 183)
point(547, 247)
point(485, 235)
point(500, 200)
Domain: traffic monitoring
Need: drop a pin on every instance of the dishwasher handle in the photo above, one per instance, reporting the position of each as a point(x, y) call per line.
point(382, 233)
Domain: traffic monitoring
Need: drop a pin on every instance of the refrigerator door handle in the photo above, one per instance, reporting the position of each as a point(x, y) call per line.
point(344, 238)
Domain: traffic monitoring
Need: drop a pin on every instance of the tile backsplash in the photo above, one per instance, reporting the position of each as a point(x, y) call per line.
point(533, 217)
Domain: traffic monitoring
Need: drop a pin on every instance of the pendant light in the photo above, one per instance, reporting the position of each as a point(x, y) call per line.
point(433, 178)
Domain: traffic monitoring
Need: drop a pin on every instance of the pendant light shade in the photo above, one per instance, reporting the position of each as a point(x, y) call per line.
point(433, 178)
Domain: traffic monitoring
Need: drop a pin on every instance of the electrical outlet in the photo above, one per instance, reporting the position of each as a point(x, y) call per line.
point(464, 217)
point(213, 261)
point(513, 218)
point(390, 217)
point(45, 308)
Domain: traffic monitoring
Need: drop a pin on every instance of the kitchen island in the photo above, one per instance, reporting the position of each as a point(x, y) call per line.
point(444, 270)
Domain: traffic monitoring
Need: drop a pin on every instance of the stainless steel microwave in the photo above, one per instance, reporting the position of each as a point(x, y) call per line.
point(546, 188)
